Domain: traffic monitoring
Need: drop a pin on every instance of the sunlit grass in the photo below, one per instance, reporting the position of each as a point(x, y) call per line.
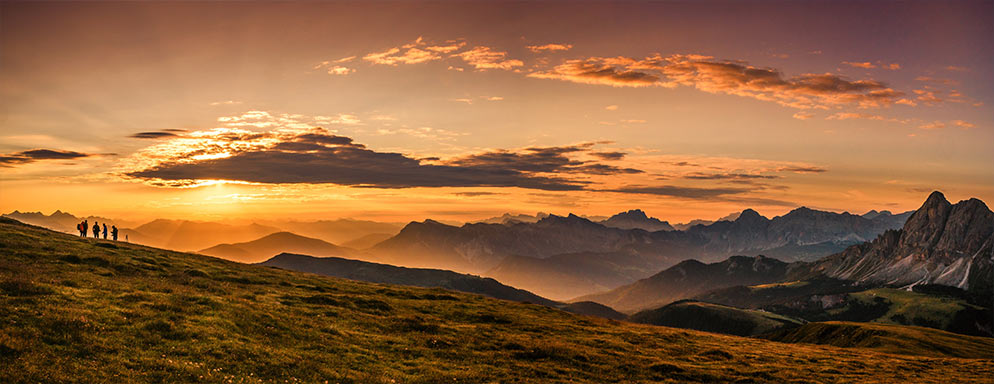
point(75, 310)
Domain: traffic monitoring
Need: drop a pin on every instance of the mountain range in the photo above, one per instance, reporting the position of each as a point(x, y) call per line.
point(264, 248)
point(941, 243)
point(587, 257)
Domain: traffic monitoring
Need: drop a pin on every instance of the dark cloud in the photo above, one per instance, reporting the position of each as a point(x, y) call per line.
point(160, 134)
point(475, 194)
point(726, 176)
point(541, 159)
point(609, 155)
point(678, 191)
point(318, 157)
point(33, 155)
point(799, 169)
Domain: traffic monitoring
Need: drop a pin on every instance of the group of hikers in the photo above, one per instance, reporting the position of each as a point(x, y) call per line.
point(85, 226)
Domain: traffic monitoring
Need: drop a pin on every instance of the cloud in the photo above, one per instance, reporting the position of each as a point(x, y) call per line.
point(801, 169)
point(154, 134)
point(316, 156)
point(956, 68)
point(869, 65)
point(595, 71)
point(340, 71)
point(416, 52)
point(609, 155)
point(483, 58)
point(725, 77)
point(32, 155)
point(803, 115)
point(611, 107)
point(226, 102)
point(492, 98)
point(477, 193)
point(550, 47)
point(862, 116)
point(962, 124)
point(727, 176)
point(684, 192)
point(865, 64)
point(932, 125)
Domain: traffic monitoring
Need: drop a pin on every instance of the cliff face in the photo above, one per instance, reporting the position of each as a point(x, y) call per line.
point(941, 243)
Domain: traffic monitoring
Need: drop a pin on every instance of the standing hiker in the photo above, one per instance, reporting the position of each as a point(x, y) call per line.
point(113, 232)
point(96, 230)
point(85, 228)
point(105, 231)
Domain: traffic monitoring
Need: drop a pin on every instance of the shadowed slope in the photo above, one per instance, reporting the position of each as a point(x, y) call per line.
point(889, 338)
point(389, 274)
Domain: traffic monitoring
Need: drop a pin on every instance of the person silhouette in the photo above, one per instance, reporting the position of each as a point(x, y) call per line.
point(96, 230)
point(105, 231)
point(86, 227)
point(113, 232)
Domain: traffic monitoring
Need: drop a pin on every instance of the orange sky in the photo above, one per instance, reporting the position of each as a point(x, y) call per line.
point(461, 111)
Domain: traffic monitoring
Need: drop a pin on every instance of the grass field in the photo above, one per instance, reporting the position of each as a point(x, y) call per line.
point(889, 338)
point(93, 311)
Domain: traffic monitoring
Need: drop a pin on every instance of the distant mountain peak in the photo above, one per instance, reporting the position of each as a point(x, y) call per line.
point(636, 218)
point(749, 214)
point(632, 214)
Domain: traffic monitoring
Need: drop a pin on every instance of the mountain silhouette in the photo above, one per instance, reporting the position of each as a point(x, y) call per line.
point(266, 247)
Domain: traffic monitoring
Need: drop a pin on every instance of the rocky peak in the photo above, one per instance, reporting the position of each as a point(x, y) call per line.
point(925, 226)
point(749, 216)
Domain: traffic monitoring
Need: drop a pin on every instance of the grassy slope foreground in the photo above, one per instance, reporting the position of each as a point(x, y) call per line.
point(74, 310)
point(888, 338)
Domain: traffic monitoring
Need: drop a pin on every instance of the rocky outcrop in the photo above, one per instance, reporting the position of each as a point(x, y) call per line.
point(941, 243)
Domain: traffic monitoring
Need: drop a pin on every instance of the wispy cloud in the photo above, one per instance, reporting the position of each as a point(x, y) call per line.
point(725, 77)
point(226, 102)
point(483, 58)
point(550, 47)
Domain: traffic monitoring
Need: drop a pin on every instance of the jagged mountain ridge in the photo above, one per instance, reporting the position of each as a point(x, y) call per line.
point(636, 218)
point(941, 243)
point(564, 245)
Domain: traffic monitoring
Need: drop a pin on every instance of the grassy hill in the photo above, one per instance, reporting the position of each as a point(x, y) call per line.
point(836, 300)
point(391, 274)
point(889, 338)
point(715, 318)
point(87, 311)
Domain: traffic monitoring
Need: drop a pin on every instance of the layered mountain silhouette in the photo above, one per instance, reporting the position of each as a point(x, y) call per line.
point(184, 235)
point(59, 221)
point(266, 247)
point(691, 278)
point(941, 243)
point(587, 257)
point(341, 231)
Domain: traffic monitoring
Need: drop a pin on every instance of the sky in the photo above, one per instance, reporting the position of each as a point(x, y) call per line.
point(398, 111)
